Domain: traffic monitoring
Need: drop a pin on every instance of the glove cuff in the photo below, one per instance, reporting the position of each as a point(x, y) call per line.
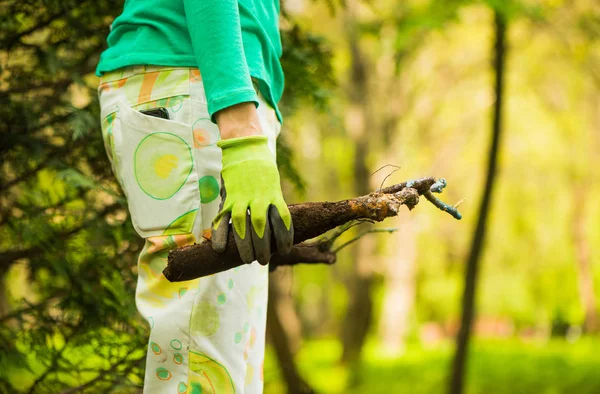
point(240, 149)
point(250, 140)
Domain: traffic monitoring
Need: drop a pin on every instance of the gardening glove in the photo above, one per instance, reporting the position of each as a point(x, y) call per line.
point(252, 199)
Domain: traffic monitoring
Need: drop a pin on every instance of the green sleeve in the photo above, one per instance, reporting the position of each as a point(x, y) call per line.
point(214, 27)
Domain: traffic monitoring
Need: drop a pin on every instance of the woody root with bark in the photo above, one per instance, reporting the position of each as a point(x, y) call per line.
point(311, 220)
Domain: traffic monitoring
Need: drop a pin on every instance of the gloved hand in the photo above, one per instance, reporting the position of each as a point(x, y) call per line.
point(250, 181)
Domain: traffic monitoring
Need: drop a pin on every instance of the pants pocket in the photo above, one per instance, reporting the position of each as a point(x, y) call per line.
point(154, 161)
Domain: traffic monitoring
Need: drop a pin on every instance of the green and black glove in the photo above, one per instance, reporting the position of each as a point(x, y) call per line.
point(252, 199)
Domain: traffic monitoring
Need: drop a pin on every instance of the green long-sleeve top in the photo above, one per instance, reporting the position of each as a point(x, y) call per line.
point(230, 41)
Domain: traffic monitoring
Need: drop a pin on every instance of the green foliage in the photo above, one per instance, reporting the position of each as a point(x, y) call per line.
point(68, 251)
point(67, 248)
point(287, 169)
point(306, 62)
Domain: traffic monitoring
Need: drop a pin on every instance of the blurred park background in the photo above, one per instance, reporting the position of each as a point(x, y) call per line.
point(409, 83)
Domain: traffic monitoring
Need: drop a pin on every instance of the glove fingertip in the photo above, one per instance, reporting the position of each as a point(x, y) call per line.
point(284, 237)
point(217, 246)
point(220, 234)
point(288, 241)
point(244, 246)
point(262, 245)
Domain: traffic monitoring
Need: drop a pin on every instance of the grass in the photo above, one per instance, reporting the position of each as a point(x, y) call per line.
point(495, 367)
point(508, 366)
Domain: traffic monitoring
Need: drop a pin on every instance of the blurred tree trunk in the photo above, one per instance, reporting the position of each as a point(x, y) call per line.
point(468, 302)
point(585, 273)
point(3, 297)
point(4, 267)
point(281, 319)
point(280, 286)
point(399, 293)
point(360, 125)
point(581, 195)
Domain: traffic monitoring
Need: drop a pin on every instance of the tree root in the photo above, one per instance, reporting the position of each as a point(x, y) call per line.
point(310, 220)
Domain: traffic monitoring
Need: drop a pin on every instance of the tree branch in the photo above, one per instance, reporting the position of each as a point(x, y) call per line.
point(304, 253)
point(310, 220)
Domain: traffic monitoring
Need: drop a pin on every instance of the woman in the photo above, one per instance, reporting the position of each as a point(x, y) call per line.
point(174, 68)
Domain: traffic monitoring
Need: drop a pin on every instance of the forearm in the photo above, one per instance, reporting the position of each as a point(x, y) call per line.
point(214, 27)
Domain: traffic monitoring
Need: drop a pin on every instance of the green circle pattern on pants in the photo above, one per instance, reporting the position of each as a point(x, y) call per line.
point(209, 189)
point(162, 164)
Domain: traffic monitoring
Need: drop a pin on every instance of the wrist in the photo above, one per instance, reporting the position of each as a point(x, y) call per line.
point(240, 120)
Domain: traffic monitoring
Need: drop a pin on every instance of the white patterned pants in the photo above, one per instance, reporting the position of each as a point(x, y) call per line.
point(206, 335)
